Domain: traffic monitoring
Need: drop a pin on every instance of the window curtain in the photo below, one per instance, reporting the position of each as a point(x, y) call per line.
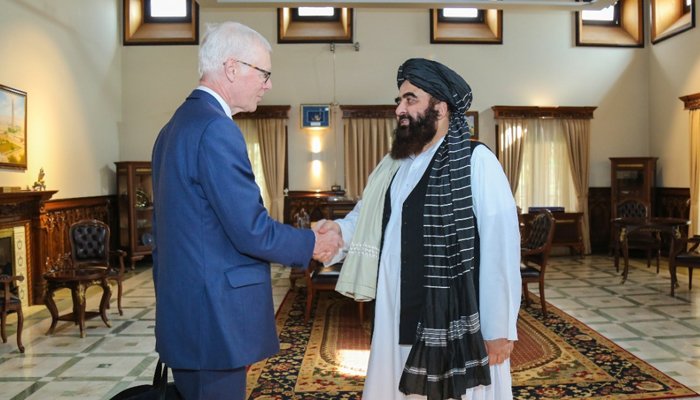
point(273, 136)
point(545, 175)
point(577, 133)
point(252, 133)
point(695, 171)
point(367, 141)
point(510, 152)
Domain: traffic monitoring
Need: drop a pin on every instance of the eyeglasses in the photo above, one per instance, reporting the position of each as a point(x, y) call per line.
point(266, 74)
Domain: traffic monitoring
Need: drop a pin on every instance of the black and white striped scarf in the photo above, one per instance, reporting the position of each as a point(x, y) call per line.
point(449, 355)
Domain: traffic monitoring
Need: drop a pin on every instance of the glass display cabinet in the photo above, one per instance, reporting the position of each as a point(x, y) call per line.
point(632, 178)
point(135, 198)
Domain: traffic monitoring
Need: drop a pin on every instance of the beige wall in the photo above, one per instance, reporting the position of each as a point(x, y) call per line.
point(67, 56)
point(92, 101)
point(536, 65)
point(674, 67)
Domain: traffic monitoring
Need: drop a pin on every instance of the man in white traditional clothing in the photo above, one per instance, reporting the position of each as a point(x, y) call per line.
point(435, 239)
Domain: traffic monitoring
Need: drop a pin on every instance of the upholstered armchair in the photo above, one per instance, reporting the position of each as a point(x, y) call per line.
point(648, 241)
point(89, 239)
point(534, 254)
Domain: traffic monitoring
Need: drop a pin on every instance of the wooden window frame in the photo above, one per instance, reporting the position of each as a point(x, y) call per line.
point(148, 18)
point(138, 31)
point(629, 32)
point(614, 22)
point(490, 31)
point(314, 31)
point(479, 19)
point(670, 18)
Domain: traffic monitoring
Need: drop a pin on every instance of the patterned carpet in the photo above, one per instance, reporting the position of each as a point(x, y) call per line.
point(557, 357)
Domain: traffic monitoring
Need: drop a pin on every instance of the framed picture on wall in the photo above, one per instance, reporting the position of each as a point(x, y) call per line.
point(315, 116)
point(473, 121)
point(13, 128)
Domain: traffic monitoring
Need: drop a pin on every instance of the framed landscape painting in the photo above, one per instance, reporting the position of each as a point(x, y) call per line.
point(473, 121)
point(13, 128)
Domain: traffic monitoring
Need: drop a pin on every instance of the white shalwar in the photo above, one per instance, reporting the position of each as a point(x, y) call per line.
point(499, 275)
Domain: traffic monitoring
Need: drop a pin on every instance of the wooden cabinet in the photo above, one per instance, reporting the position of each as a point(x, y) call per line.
point(632, 178)
point(135, 196)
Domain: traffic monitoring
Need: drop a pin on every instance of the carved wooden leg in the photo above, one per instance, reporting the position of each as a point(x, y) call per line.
point(104, 302)
point(76, 305)
point(51, 305)
point(20, 324)
point(3, 317)
point(81, 308)
point(119, 297)
point(626, 254)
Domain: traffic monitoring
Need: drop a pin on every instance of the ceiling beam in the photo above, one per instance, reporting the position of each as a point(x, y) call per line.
point(571, 5)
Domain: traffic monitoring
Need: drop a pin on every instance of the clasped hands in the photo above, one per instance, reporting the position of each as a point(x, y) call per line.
point(329, 240)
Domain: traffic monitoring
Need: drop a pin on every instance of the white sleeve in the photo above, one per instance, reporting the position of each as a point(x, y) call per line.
point(347, 230)
point(499, 245)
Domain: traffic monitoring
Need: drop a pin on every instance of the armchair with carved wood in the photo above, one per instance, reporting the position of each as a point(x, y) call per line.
point(648, 241)
point(89, 239)
point(11, 303)
point(688, 256)
point(534, 254)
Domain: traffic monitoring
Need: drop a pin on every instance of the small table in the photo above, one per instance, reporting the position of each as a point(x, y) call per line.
point(625, 226)
point(77, 280)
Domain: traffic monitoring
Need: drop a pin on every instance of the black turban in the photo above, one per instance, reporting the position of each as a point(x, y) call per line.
point(437, 80)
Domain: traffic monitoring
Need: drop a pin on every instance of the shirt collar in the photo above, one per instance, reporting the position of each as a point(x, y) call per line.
point(218, 98)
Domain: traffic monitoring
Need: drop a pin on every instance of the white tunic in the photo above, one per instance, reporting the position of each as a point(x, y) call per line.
point(499, 280)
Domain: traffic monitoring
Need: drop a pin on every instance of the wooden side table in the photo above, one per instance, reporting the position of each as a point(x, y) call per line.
point(77, 280)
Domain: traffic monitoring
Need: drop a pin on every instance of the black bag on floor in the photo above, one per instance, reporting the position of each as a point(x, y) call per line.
point(159, 390)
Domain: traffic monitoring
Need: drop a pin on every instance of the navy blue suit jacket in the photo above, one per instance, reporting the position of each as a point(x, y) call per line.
point(213, 244)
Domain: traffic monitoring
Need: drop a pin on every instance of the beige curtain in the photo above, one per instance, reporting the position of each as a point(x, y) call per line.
point(510, 151)
point(695, 171)
point(252, 142)
point(545, 176)
point(578, 133)
point(273, 135)
point(367, 141)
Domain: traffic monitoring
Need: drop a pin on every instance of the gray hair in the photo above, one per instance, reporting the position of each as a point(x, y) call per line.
point(225, 40)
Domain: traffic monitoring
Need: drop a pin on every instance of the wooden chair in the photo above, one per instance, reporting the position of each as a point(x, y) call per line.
point(535, 249)
point(89, 239)
point(640, 240)
point(10, 303)
point(687, 256)
point(318, 277)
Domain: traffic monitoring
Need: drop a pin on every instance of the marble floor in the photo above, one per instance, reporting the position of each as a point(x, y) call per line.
point(639, 316)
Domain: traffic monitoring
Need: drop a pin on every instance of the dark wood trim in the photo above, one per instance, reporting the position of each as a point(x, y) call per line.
point(368, 111)
point(265, 112)
point(672, 202)
point(691, 101)
point(542, 112)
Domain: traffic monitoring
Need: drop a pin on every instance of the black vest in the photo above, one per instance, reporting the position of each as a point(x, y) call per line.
point(413, 290)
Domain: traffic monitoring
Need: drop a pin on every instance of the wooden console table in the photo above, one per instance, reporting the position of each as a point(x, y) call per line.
point(568, 231)
point(625, 226)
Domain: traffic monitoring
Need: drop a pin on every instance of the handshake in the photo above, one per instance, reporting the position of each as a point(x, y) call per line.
point(329, 239)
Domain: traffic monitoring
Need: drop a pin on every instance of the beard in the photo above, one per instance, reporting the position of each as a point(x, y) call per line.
point(410, 139)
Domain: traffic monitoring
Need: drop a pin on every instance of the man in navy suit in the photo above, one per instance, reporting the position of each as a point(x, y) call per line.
point(214, 240)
